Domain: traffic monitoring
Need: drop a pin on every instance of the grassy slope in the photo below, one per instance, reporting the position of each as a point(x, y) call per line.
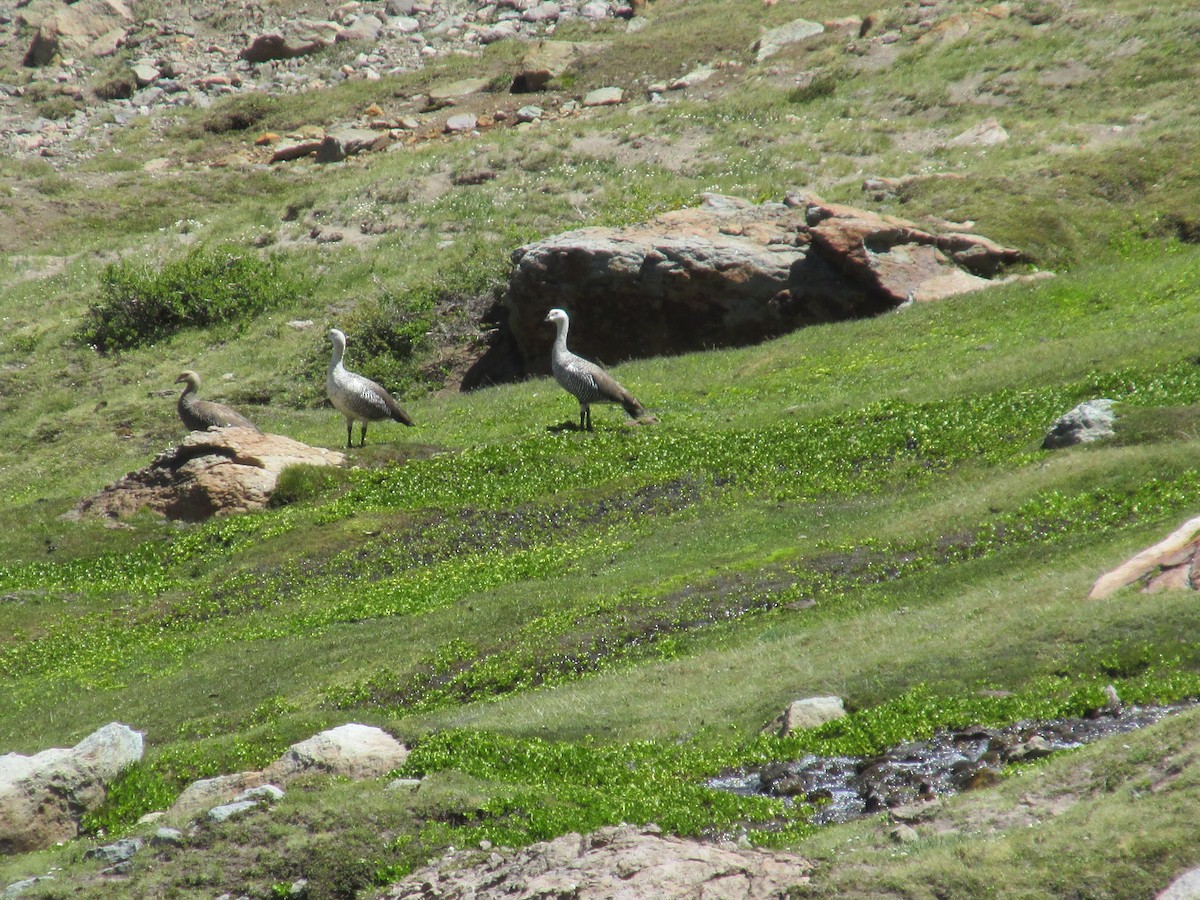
point(657, 579)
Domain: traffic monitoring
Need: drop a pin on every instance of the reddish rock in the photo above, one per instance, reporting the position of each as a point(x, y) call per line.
point(215, 472)
point(1171, 564)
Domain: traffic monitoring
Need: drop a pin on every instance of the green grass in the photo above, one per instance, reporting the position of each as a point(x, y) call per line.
point(572, 630)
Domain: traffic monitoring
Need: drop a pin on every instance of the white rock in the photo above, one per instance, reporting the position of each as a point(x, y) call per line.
point(353, 750)
point(41, 796)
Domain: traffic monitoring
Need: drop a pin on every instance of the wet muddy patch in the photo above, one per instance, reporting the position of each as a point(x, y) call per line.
point(842, 788)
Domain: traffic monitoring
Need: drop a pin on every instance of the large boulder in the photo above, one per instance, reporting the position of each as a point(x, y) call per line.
point(614, 862)
point(728, 273)
point(214, 472)
point(43, 796)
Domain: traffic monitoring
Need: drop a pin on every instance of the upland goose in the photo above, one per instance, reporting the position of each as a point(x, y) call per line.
point(201, 415)
point(584, 380)
point(358, 398)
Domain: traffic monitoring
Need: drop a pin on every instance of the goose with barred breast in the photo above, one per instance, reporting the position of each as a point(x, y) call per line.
point(584, 380)
point(201, 415)
point(357, 398)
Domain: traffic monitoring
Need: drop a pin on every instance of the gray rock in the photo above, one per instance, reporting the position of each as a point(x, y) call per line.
point(986, 134)
point(461, 122)
point(728, 273)
point(529, 113)
point(405, 25)
point(145, 74)
point(457, 89)
point(403, 784)
point(231, 810)
point(209, 792)
point(1090, 421)
point(501, 31)
point(365, 28)
point(778, 38)
point(609, 96)
point(167, 837)
point(17, 888)
point(268, 793)
point(116, 852)
point(692, 78)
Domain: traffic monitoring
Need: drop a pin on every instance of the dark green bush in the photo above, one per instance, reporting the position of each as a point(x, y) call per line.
point(118, 86)
point(137, 791)
point(139, 305)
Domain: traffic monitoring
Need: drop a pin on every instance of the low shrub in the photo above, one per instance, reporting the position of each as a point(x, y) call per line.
point(237, 113)
point(139, 305)
point(297, 484)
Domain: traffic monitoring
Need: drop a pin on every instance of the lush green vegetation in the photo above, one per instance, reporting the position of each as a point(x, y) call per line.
point(572, 630)
point(141, 304)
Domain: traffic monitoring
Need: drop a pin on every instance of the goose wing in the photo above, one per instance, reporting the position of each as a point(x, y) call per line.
point(365, 399)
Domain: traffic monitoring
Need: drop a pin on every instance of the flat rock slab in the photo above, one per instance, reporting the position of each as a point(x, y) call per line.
point(616, 863)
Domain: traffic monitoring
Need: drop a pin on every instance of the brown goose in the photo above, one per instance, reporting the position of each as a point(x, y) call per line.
point(585, 380)
point(358, 398)
point(201, 415)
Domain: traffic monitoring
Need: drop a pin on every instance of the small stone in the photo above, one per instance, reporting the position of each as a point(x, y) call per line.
point(264, 792)
point(1090, 421)
point(462, 122)
point(167, 837)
